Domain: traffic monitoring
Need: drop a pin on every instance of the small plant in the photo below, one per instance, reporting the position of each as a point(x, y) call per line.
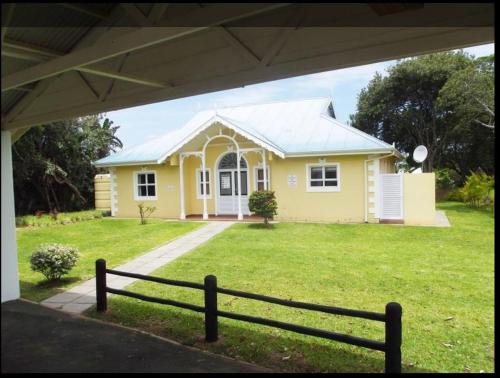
point(477, 189)
point(145, 212)
point(53, 260)
point(263, 203)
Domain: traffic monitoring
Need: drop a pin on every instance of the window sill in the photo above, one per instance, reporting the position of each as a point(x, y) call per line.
point(145, 198)
point(322, 190)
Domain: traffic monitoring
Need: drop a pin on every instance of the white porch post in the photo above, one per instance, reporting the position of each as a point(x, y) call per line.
point(10, 277)
point(238, 157)
point(264, 168)
point(181, 185)
point(204, 180)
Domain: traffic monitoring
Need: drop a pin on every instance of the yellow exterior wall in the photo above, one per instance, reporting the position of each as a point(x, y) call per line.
point(168, 196)
point(419, 199)
point(167, 187)
point(102, 192)
point(296, 204)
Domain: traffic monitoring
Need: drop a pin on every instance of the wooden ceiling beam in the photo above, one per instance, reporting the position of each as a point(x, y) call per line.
point(8, 18)
point(133, 41)
point(238, 45)
point(157, 12)
point(90, 11)
point(136, 14)
point(29, 52)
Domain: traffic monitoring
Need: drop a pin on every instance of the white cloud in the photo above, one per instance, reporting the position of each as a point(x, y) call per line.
point(481, 50)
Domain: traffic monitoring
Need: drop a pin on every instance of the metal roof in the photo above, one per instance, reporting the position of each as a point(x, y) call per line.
point(287, 128)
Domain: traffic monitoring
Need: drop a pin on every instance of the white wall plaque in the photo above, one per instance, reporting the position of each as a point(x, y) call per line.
point(292, 181)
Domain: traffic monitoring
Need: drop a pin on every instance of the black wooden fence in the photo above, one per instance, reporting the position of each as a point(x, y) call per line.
point(392, 316)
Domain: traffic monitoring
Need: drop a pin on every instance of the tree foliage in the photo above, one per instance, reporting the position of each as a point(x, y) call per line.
point(52, 164)
point(438, 100)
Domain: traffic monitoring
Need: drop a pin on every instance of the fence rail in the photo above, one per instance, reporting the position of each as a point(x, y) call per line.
point(392, 316)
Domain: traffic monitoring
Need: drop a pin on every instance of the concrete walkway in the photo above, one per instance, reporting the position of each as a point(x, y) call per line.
point(81, 297)
point(441, 219)
point(36, 339)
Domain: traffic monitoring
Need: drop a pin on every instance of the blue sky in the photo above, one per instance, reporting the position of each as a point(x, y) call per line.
point(141, 123)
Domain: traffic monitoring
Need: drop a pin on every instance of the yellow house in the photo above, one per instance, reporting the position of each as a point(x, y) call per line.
point(319, 168)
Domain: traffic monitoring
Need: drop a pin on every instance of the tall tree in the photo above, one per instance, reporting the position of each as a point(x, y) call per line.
point(413, 105)
point(53, 163)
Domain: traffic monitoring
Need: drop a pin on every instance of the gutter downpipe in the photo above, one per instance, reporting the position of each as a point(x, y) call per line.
point(366, 178)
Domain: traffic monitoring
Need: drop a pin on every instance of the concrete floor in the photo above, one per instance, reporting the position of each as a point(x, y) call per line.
point(36, 339)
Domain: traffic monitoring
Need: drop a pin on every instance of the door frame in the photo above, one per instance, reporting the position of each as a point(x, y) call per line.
point(217, 179)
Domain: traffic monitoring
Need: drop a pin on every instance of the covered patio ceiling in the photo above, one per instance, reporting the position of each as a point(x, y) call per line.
point(62, 60)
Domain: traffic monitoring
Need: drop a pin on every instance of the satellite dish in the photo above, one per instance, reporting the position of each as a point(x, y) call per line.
point(420, 154)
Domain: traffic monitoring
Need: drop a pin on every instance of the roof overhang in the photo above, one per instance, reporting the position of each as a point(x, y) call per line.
point(345, 152)
point(124, 164)
point(91, 58)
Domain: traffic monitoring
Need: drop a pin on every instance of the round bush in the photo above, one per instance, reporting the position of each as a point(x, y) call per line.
point(54, 260)
point(263, 203)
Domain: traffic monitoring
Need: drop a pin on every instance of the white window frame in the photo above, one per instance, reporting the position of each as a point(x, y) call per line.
point(321, 189)
point(198, 183)
point(256, 177)
point(136, 185)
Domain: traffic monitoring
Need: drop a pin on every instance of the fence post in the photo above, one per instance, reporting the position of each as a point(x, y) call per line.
point(100, 285)
point(211, 326)
point(393, 337)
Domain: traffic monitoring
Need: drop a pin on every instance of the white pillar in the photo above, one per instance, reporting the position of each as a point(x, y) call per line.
point(264, 169)
point(181, 186)
point(10, 276)
point(204, 180)
point(238, 157)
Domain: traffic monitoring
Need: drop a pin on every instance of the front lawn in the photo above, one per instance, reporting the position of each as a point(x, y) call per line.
point(443, 278)
point(116, 240)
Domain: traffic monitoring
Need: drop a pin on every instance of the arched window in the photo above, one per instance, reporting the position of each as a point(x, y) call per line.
point(229, 162)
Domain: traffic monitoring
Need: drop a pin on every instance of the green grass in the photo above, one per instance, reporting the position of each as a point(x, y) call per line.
point(115, 240)
point(45, 220)
point(443, 278)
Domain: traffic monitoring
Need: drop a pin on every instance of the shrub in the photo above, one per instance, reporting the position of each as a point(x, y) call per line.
point(444, 179)
point(53, 260)
point(477, 189)
point(263, 203)
point(456, 195)
point(145, 211)
point(445, 184)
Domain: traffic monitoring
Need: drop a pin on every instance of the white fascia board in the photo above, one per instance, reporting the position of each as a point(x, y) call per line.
point(190, 137)
point(250, 136)
point(124, 164)
point(348, 152)
point(229, 125)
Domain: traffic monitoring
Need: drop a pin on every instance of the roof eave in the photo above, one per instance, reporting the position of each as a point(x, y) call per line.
point(345, 152)
point(123, 164)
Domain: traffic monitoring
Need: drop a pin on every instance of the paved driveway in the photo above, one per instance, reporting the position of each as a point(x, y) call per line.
point(43, 340)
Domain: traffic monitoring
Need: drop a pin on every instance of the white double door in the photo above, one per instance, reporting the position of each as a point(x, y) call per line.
point(227, 191)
